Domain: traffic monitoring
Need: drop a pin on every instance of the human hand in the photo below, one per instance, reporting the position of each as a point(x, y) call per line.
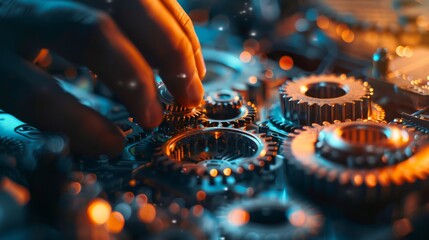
point(121, 41)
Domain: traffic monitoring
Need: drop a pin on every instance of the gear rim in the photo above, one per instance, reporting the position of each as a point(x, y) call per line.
point(352, 186)
point(320, 98)
point(259, 156)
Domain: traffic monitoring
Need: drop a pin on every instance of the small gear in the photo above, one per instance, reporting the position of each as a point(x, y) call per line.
point(12, 147)
point(217, 152)
point(320, 98)
point(266, 219)
point(244, 115)
point(223, 104)
point(356, 162)
point(173, 112)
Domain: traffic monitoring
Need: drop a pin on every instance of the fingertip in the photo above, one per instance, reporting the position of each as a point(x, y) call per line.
point(194, 92)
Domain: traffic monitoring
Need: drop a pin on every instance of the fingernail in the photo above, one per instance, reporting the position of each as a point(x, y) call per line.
point(153, 115)
point(201, 65)
point(195, 91)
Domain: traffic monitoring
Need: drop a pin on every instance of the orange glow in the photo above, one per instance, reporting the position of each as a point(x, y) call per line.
point(174, 208)
point(213, 172)
point(184, 213)
point(286, 63)
point(253, 79)
point(132, 183)
point(340, 29)
point(90, 178)
point(238, 217)
point(371, 180)
point(251, 45)
point(201, 195)
point(197, 210)
point(348, 36)
point(358, 180)
point(128, 197)
point(227, 172)
point(147, 213)
point(251, 167)
point(298, 218)
point(245, 56)
point(41, 56)
point(115, 223)
point(402, 227)
point(75, 188)
point(141, 199)
point(99, 211)
point(323, 22)
point(20, 193)
point(269, 73)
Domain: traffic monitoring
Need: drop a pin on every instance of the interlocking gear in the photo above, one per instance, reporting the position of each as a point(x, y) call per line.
point(356, 162)
point(320, 98)
point(213, 152)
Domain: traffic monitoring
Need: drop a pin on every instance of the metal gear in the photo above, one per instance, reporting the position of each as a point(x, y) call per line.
point(217, 152)
point(244, 115)
point(174, 112)
point(266, 219)
point(320, 98)
point(223, 104)
point(357, 162)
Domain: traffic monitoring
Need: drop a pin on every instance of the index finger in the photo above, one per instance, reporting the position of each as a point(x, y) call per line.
point(186, 23)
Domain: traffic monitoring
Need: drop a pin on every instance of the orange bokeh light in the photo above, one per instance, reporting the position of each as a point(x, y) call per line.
point(198, 210)
point(99, 211)
point(213, 172)
point(147, 213)
point(115, 223)
point(298, 218)
point(245, 56)
point(201, 195)
point(20, 193)
point(238, 217)
point(227, 172)
point(286, 63)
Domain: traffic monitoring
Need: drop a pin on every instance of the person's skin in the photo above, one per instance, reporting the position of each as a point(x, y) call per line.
point(120, 40)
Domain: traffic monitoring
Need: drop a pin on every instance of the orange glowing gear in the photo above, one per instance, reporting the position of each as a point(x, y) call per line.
point(362, 161)
point(320, 98)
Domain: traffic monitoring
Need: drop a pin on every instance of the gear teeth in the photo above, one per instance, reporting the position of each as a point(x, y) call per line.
point(358, 165)
point(246, 115)
point(320, 98)
point(240, 151)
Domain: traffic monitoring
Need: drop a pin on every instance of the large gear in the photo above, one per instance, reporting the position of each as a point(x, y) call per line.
point(360, 162)
point(212, 152)
point(173, 112)
point(320, 98)
point(266, 219)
